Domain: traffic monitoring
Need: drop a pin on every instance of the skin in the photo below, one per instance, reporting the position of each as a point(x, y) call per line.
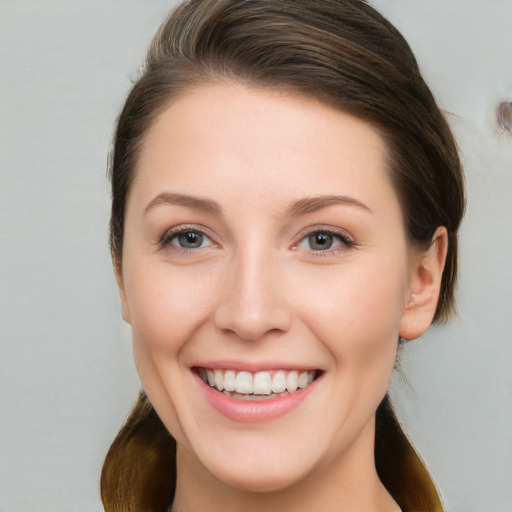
point(256, 292)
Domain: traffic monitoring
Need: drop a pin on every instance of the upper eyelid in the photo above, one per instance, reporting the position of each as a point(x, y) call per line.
point(177, 230)
point(331, 230)
point(305, 232)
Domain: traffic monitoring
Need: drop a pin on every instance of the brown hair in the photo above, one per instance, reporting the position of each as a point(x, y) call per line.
point(341, 52)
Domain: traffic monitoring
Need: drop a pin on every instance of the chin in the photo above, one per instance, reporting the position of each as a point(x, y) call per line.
point(251, 463)
point(259, 479)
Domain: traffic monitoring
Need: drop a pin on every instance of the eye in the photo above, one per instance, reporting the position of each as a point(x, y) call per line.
point(320, 241)
point(188, 239)
point(324, 240)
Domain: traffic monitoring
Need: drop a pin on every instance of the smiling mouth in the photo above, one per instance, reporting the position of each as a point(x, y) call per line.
point(262, 385)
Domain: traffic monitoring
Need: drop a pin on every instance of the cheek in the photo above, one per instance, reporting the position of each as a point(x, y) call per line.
point(356, 310)
point(166, 306)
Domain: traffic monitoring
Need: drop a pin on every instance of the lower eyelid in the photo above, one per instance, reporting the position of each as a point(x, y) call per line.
point(169, 240)
point(341, 242)
point(342, 239)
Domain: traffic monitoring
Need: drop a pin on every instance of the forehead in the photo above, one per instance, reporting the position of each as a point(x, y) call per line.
point(233, 141)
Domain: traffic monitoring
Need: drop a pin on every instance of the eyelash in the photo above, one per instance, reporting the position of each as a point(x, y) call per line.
point(167, 240)
point(346, 242)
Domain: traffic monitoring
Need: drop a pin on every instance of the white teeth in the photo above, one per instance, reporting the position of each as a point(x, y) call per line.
point(279, 382)
point(229, 380)
point(292, 381)
point(302, 381)
point(262, 384)
point(243, 383)
point(218, 377)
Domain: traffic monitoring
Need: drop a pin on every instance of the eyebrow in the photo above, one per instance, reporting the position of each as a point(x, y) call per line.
point(197, 203)
point(314, 204)
point(300, 207)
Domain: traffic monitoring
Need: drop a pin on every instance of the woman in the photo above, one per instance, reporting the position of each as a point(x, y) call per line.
point(286, 200)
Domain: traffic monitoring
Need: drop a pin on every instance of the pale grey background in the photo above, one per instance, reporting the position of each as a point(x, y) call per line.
point(66, 375)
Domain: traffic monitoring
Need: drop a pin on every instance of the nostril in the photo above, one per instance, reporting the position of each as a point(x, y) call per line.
point(252, 322)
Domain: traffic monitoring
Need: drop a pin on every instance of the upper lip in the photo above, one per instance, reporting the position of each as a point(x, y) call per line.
point(253, 366)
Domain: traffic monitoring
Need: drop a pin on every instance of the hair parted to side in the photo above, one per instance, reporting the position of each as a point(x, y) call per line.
point(341, 52)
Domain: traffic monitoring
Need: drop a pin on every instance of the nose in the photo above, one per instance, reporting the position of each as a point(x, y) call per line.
point(253, 299)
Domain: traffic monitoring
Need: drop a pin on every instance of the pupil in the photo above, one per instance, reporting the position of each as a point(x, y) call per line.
point(320, 241)
point(190, 240)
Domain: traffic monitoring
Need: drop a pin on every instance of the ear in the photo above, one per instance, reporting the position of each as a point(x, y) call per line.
point(125, 310)
point(425, 273)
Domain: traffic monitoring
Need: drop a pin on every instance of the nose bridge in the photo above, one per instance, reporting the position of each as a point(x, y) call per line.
point(253, 302)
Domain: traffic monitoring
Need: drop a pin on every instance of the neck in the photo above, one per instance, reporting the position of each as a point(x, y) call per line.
point(343, 485)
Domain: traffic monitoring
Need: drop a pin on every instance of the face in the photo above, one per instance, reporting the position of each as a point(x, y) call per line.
point(266, 277)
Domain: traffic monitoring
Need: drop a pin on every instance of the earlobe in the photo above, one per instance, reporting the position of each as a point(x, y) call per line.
point(125, 310)
point(424, 286)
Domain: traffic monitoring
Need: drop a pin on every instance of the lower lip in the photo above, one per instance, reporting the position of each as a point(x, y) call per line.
point(254, 411)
